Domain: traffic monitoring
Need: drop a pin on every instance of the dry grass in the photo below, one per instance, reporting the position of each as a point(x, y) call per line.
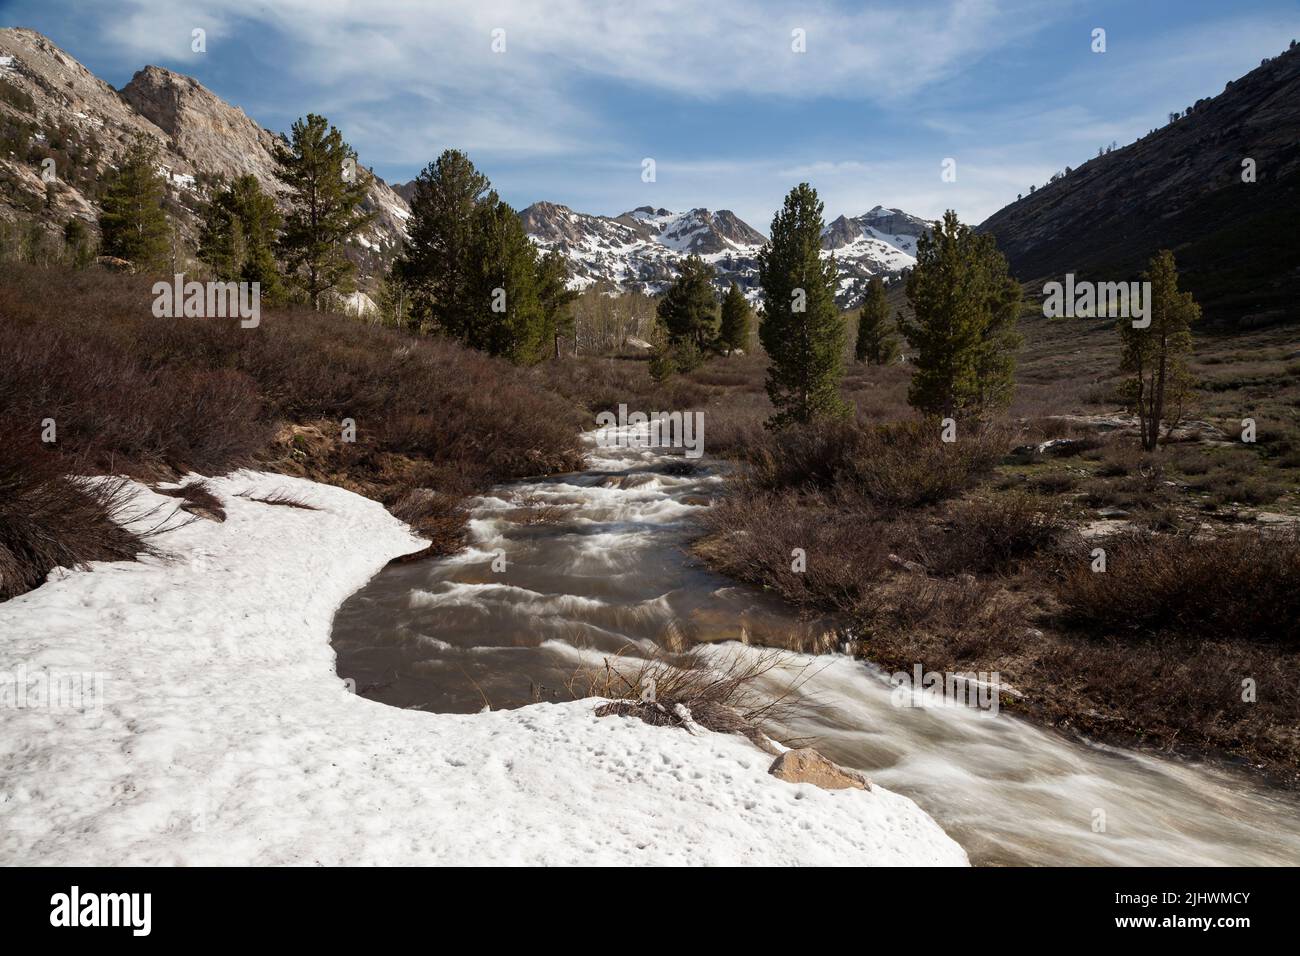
point(280, 498)
point(197, 499)
point(689, 690)
point(49, 518)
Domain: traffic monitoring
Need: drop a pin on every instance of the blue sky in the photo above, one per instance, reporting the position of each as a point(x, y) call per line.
point(712, 90)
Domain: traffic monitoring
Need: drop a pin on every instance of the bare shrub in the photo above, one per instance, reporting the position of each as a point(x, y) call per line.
point(984, 536)
point(50, 519)
point(755, 534)
point(898, 465)
point(680, 690)
point(1241, 587)
point(439, 518)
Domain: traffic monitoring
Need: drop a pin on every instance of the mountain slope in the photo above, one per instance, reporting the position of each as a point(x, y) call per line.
point(52, 107)
point(1181, 188)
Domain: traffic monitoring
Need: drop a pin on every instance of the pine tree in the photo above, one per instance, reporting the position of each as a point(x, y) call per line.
point(556, 298)
point(238, 235)
point(325, 190)
point(689, 309)
point(966, 306)
point(132, 223)
point(1156, 356)
point(507, 317)
point(436, 264)
point(876, 342)
point(801, 330)
point(736, 319)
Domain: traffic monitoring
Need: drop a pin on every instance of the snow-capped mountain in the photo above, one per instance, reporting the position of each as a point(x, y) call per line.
point(639, 250)
point(879, 242)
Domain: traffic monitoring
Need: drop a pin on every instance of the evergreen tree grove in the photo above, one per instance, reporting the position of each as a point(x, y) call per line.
point(238, 235)
point(1156, 356)
point(876, 343)
point(506, 314)
point(435, 264)
point(132, 223)
point(556, 298)
point(325, 189)
point(689, 309)
point(736, 319)
point(963, 331)
point(801, 330)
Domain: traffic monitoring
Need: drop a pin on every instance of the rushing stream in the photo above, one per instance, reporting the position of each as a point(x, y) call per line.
point(592, 563)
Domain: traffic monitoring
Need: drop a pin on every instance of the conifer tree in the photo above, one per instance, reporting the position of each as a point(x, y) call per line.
point(801, 331)
point(507, 317)
point(876, 342)
point(326, 187)
point(436, 263)
point(736, 319)
point(1156, 356)
point(965, 305)
point(132, 223)
point(238, 235)
point(689, 309)
point(556, 298)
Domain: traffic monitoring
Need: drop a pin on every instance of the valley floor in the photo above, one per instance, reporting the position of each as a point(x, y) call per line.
point(224, 735)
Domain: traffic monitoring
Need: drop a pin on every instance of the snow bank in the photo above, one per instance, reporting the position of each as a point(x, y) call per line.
point(226, 737)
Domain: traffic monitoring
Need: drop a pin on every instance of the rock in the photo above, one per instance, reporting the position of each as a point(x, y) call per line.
point(806, 765)
point(906, 565)
point(1112, 512)
point(114, 264)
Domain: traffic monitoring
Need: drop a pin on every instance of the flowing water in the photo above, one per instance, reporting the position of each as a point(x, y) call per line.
point(577, 567)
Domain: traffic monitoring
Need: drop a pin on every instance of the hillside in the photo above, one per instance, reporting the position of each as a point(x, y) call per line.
point(1180, 187)
point(52, 107)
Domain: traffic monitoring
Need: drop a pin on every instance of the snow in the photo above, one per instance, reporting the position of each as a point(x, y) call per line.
point(226, 737)
point(6, 64)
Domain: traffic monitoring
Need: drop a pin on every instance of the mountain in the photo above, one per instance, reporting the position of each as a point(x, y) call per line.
point(879, 242)
point(639, 250)
point(1181, 188)
point(53, 107)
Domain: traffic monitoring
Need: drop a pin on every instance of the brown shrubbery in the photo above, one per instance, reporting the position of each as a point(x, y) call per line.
point(154, 398)
point(988, 536)
point(1240, 587)
point(897, 465)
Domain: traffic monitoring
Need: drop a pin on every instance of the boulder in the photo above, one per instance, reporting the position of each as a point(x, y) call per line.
point(806, 765)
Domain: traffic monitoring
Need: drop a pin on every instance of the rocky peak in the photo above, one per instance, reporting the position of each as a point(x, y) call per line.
point(213, 135)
